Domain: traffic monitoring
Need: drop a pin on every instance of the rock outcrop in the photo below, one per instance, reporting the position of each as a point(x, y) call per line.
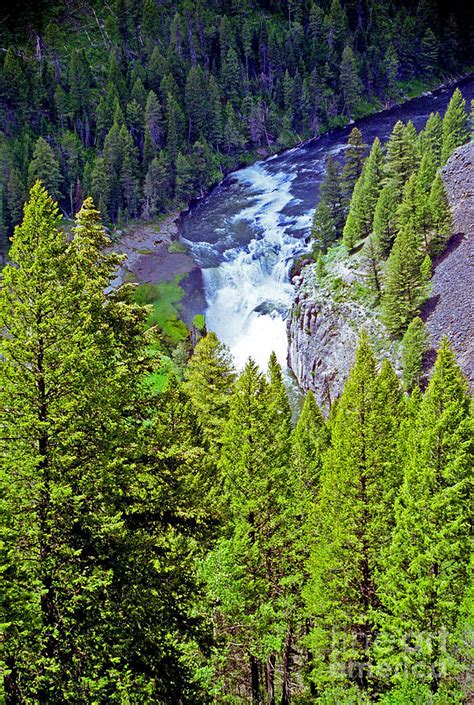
point(323, 328)
point(450, 310)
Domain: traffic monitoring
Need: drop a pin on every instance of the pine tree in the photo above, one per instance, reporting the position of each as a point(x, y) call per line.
point(58, 468)
point(354, 522)
point(323, 229)
point(350, 83)
point(331, 193)
point(385, 219)
point(364, 198)
point(353, 162)
point(431, 137)
point(197, 103)
point(309, 441)
point(44, 167)
point(391, 70)
point(429, 53)
point(401, 158)
point(245, 570)
point(154, 129)
point(209, 381)
point(185, 187)
point(455, 126)
point(231, 78)
point(157, 189)
point(405, 286)
point(415, 343)
point(427, 569)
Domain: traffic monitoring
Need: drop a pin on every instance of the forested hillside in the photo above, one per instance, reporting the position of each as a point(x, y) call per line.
point(172, 530)
point(192, 546)
point(143, 104)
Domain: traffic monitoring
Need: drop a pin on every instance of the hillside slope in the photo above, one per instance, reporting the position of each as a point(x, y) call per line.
point(323, 327)
point(450, 309)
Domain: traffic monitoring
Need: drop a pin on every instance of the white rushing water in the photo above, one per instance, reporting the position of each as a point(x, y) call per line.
point(249, 293)
point(247, 232)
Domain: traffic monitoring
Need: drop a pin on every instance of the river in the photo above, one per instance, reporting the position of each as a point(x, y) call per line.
point(250, 228)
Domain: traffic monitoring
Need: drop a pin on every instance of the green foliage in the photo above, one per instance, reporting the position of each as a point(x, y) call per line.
point(406, 284)
point(428, 567)
point(164, 299)
point(415, 343)
point(364, 198)
point(455, 126)
point(238, 79)
point(359, 479)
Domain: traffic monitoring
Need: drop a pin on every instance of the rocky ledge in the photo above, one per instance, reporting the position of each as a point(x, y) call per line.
point(323, 329)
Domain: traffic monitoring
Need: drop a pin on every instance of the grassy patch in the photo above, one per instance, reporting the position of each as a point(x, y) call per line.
point(199, 321)
point(145, 251)
point(177, 248)
point(164, 299)
point(156, 382)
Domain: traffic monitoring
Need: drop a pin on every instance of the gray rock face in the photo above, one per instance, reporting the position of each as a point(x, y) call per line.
point(450, 310)
point(323, 337)
point(323, 333)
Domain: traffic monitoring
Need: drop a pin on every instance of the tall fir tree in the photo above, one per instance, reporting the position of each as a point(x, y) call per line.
point(364, 198)
point(406, 281)
point(354, 521)
point(455, 130)
point(45, 167)
point(427, 570)
point(353, 162)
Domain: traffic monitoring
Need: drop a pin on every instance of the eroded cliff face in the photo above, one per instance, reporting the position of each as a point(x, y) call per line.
point(450, 310)
point(324, 327)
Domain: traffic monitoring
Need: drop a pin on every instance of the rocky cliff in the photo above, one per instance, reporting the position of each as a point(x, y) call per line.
point(329, 312)
point(450, 310)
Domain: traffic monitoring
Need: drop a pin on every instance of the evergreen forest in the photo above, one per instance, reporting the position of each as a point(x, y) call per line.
point(187, 535)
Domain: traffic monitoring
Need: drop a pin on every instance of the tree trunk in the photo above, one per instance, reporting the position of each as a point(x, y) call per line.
point(270, 679)
point(286, 692)
point(255, 681)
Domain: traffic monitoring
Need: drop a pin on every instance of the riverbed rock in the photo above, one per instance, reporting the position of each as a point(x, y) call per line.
point(323, 331)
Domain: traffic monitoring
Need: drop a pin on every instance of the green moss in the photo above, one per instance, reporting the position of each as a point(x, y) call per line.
point(145, 251)
point(177, 248)
point(199, 321)
point(165, 300)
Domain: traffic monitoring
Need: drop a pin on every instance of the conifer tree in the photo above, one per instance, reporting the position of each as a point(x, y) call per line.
point(185, 186)
point(431, 137)
point(154, 128)
point(309, 441)
point(406, 285)
point(385, 220)
point(354, 522)
point(351, 86)
point(428, 566)
point(331, 193)
point(44, 167)
point(364, 198)
point(455, 126)
point(157, 190)
point(353, 162)
point(323, 230)
point(245, 570)
point(58, 472)
point(415, 343)
point(209, 382)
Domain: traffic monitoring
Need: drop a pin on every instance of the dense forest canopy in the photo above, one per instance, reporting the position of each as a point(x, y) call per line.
point(144, 104)
point(187, 538)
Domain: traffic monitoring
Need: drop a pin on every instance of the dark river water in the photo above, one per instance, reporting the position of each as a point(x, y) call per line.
point(246, 233)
